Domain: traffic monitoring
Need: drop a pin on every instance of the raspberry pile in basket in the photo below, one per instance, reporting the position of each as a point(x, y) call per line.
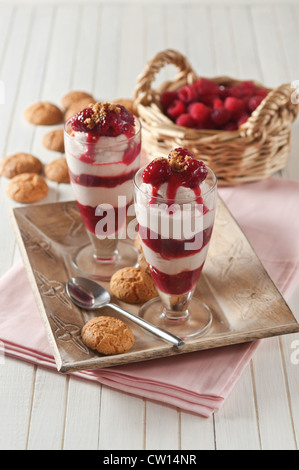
point(207, 105)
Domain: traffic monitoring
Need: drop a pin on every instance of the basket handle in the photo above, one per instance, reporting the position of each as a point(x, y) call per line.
point(143, 90)
point(277, 99)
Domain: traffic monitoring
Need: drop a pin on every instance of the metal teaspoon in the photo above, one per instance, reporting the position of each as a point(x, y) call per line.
point(90, 295)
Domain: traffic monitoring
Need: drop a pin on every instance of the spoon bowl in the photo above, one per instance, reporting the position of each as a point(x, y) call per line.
point(90, 295)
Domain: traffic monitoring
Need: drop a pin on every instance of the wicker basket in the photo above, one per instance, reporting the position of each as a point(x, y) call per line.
point(258, 149)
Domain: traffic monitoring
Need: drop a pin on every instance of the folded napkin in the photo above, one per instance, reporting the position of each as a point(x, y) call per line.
point(198, 382)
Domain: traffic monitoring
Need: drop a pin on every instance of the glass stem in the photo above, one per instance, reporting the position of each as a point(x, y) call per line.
point(104, 250)
point(176, 306)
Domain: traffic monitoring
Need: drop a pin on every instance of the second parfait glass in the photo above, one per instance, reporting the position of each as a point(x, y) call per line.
point(101, 174)
point(175, 237)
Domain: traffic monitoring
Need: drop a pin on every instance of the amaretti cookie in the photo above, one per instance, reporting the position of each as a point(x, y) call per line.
point(27, 188)
point(18, 163)
point(77, 106)
point(133, 285)
point(74, 96)
point(107, 335)
point(54, 140)
point(57, 170)
point(43, 113)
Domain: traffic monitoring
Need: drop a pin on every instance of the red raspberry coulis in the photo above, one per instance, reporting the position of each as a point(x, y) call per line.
point(104, 119)
point(179, 169)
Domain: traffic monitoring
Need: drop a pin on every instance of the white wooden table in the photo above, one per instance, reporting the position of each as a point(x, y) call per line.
point(49, 49)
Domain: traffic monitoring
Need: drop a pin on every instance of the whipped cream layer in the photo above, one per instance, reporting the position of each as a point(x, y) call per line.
point(175, 266)
point(107, 149)
point(183, 194)
point(100, 176)
point(93, 196)
point(177, 221)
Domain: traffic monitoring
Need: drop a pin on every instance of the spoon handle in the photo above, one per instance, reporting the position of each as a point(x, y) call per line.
point(175, 340)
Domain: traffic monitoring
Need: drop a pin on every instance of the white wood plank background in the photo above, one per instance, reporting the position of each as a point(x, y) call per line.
point(48, 48)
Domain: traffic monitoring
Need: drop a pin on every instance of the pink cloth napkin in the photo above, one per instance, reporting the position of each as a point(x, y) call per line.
point(198, 382)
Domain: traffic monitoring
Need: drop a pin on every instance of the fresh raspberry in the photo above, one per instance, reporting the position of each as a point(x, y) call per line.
point(254, 102)
point(261, 92)
point(208, 100)
point(156, 172)
point(185, 120)
point(235, 91)
point(188, 93)
point(167, 98)
point(224, 92)
point(125, 115)
point(248, 88)
point(217, 103)
point(243, 118)
point(205, 87)
point(177, 108)
point(128, 130)
point(245, 88)
point(234, 105)
point(196, 173)
point(200, 113)
point(116, 123)
point(192, 176)
point(220, 116)
point(231, 126)
point(245, 102)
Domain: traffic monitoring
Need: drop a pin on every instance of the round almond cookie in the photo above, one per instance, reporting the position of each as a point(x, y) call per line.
point(18, 163)
point(133, 285)
point(77, 107)
point(54, 140)
point(73, 96)
point(57, 170)
point(43, 113)
point(27, 188)
point(107, 335)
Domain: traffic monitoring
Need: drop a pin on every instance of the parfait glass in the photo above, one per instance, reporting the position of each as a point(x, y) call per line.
point(175, 237)
point(101, 175)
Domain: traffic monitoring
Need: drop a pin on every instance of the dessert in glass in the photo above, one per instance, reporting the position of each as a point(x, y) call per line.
point(102, 146)
point(175, 202)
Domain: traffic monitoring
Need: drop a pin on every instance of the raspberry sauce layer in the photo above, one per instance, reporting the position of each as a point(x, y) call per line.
point(171, 248)
point(177, 284)
point(101, 181)
point(116, 216)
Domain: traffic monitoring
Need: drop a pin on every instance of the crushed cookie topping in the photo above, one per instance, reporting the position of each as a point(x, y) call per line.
point(159, 159)
point(178, 162)
point(100, 111)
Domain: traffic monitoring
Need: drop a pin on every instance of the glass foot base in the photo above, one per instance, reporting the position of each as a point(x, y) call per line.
point(94, 268)
point(192, 323)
